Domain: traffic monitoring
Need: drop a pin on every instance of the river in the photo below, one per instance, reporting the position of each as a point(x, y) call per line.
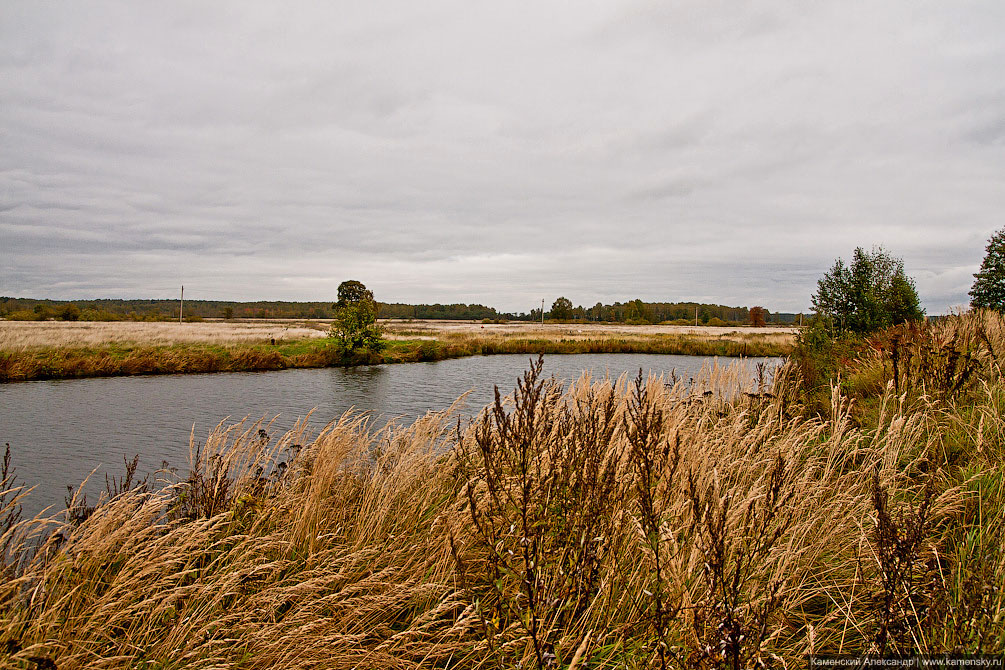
point(59, 431)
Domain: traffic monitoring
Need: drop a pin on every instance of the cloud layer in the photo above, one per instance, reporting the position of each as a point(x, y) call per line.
point(496, 152)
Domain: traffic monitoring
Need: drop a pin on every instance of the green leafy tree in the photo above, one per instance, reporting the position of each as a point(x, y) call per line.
point(989, 283)
point(872, 292)
point(561, 309)
point(69, 312)
point(351, 291)
point(355, 325)
point(637, 312)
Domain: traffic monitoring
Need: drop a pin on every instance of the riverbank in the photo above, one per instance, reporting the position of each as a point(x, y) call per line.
point(603, 525)
point(201, 348)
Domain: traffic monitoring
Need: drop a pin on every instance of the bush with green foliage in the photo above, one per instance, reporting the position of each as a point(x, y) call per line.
point(355, 325)
point(871, 293)
point(638, 312)
point(989, 282)
point(561, 309)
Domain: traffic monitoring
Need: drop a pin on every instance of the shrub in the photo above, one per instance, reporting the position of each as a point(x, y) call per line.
point(355, 325)
point(871, 293)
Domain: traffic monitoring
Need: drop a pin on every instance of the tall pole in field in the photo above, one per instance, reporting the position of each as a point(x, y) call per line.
point(181, 303)
point(542, 311)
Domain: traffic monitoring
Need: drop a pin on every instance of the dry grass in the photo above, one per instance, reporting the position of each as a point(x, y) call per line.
point(399, 328)
point(626, 525)
point(56, 350)
point(523, 337)
point(20, 335)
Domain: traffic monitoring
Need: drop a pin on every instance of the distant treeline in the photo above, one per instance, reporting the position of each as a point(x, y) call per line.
point(158, 310)
point(397, 310)
point(637, 311)
point(634, 311)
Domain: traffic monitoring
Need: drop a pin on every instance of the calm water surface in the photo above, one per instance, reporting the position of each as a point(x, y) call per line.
point(59, 431)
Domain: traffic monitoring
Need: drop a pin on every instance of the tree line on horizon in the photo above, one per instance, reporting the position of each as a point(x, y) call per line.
point(871, 291)
point(682, 313)
point(633, 311)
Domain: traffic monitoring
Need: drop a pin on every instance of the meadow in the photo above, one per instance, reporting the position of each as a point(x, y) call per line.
point(26, 335)
point(638, 523)
point(55, 349)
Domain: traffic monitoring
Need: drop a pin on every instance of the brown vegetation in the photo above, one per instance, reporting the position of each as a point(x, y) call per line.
point(53, 350)
point(574, 331)
point(626, 525)
point(24, 335)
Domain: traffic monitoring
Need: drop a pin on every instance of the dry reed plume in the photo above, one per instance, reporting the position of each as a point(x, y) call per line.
point(631, 524)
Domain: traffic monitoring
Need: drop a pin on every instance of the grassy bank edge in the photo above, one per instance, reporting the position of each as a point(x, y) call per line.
point(125, 360)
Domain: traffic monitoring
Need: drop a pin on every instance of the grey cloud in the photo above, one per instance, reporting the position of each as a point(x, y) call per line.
point(670, 189)
point(446, 151)
point(990, 129)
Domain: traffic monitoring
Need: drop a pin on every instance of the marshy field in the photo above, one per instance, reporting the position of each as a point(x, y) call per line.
point(58, 349)
point(855, 504)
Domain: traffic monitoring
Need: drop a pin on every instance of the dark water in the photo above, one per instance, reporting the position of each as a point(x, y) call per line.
point(61, 430)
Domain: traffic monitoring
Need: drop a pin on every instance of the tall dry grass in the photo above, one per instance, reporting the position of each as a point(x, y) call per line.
point(627, 524)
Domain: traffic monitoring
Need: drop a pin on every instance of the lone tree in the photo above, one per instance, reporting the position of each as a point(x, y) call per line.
point(989, 283)
point(872, 292)
point(355, 325)
point(561, 309)
point(757, 316)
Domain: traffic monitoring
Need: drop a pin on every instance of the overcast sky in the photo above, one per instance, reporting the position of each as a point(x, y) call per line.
point(496, 152)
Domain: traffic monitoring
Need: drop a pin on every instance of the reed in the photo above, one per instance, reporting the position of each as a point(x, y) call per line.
point(614, 524)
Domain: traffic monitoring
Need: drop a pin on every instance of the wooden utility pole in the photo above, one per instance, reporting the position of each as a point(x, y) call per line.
point(542, 311)
point(181, 303)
